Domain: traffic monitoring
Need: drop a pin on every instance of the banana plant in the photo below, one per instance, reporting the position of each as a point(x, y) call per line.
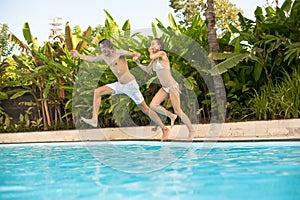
point(261, 53)
point(5, 50)
point(49, 73)
point(272, 41)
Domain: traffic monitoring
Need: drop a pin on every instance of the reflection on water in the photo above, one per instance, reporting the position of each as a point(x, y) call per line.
point(150, 170)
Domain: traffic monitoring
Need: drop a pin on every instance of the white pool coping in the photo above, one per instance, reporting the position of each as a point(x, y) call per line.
point(273, 130)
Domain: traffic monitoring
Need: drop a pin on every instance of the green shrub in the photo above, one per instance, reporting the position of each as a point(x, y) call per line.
point(281, 101)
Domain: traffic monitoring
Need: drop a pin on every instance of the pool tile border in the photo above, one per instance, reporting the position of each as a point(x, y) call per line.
point(273, 130)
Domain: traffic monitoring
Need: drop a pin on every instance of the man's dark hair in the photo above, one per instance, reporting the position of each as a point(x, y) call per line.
point(160, 43)
point(107, 43)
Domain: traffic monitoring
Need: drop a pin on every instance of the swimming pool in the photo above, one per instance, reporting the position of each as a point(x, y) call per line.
point(150, 170)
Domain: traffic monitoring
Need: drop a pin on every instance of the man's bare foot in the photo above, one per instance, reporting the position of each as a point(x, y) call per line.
point(91, 122)
point(191, 135)
point(166, 133)
point(173, 118)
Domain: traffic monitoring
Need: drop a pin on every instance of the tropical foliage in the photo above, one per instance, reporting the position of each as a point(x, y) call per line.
point(258, 62)
point(261, 55)
point(226, 12)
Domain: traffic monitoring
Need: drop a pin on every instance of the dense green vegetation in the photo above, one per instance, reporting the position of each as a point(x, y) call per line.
point(258, 60)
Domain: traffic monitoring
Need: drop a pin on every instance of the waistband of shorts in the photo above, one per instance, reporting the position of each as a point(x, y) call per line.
point(132, 81)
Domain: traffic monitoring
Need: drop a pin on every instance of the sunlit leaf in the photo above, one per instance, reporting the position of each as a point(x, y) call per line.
point(228, 63)
point(68, 37)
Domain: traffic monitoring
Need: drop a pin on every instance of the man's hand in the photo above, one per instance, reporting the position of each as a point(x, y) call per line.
point(136, 59)
point(138, 55)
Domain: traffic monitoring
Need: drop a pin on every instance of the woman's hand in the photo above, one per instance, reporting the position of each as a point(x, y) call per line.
point(150, 49)
point(74, 53)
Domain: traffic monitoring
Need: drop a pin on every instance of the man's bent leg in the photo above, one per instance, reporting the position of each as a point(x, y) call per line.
point(104, 90)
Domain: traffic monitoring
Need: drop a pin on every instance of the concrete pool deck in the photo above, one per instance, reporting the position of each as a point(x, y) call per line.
point(273, 130)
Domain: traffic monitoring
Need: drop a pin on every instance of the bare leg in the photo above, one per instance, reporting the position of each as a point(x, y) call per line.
point(175, 99)
point(160, 96)
point(143, 106)
point(104, 90)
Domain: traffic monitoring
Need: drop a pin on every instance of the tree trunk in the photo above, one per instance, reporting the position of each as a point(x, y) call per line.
point(211, 20)
point(219, 110)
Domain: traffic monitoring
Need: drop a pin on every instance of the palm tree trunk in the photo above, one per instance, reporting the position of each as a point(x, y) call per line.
point(212, 34)
point(218, 112)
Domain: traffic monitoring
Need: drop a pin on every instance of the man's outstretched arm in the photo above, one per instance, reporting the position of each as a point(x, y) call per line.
point(147, 69)
point(85, 57)
point(128, 53)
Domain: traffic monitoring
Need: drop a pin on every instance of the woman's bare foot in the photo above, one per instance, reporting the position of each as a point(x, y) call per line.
point(166, 133)
point(173, 118)
point(91, 122)
point(191, 135)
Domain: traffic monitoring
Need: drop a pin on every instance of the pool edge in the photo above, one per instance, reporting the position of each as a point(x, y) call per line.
point(273, 130)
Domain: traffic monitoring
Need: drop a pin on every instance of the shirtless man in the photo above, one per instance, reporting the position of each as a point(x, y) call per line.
point(126, 83)
point(170, 89)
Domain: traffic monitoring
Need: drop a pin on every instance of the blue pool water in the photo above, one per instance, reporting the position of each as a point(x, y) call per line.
point(150, 170)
